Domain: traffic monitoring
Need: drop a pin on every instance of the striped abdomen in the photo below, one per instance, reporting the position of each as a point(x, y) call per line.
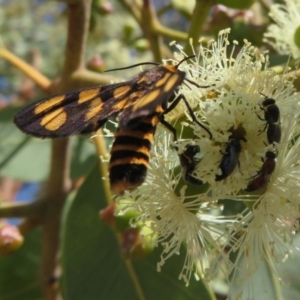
point(130, 155)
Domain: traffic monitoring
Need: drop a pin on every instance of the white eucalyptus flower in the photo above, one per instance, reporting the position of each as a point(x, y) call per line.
point(232, 108)
point(281, 35)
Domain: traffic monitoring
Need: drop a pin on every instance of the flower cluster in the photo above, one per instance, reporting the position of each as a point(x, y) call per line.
point(250, 111)
point(282, 35)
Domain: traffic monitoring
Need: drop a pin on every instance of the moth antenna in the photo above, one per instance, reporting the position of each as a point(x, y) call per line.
point(186, 58)
point(133, 66)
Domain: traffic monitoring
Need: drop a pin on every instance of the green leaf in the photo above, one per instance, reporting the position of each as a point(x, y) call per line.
point(28, 159)
point(20, 153)
point(19, 272)
point(297, 37)
point(92, 264)
point(278, 59)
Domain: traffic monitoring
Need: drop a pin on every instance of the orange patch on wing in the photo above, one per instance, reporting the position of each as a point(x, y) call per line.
point(54, 120)
point(148, 98)
point(87, 95)
point(142, 80)
point(120, 91)
point(94, 108)
point(163, 80)
point(171, 83)
point(121, 104)
point(45, 105)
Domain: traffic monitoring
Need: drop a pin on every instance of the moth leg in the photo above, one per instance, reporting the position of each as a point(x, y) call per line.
point(169, 127)
point(176, 101)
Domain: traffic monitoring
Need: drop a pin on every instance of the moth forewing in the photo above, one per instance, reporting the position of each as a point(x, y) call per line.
point(70, 113)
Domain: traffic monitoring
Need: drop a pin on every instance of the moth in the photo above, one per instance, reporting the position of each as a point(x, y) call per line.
point(140, 103)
